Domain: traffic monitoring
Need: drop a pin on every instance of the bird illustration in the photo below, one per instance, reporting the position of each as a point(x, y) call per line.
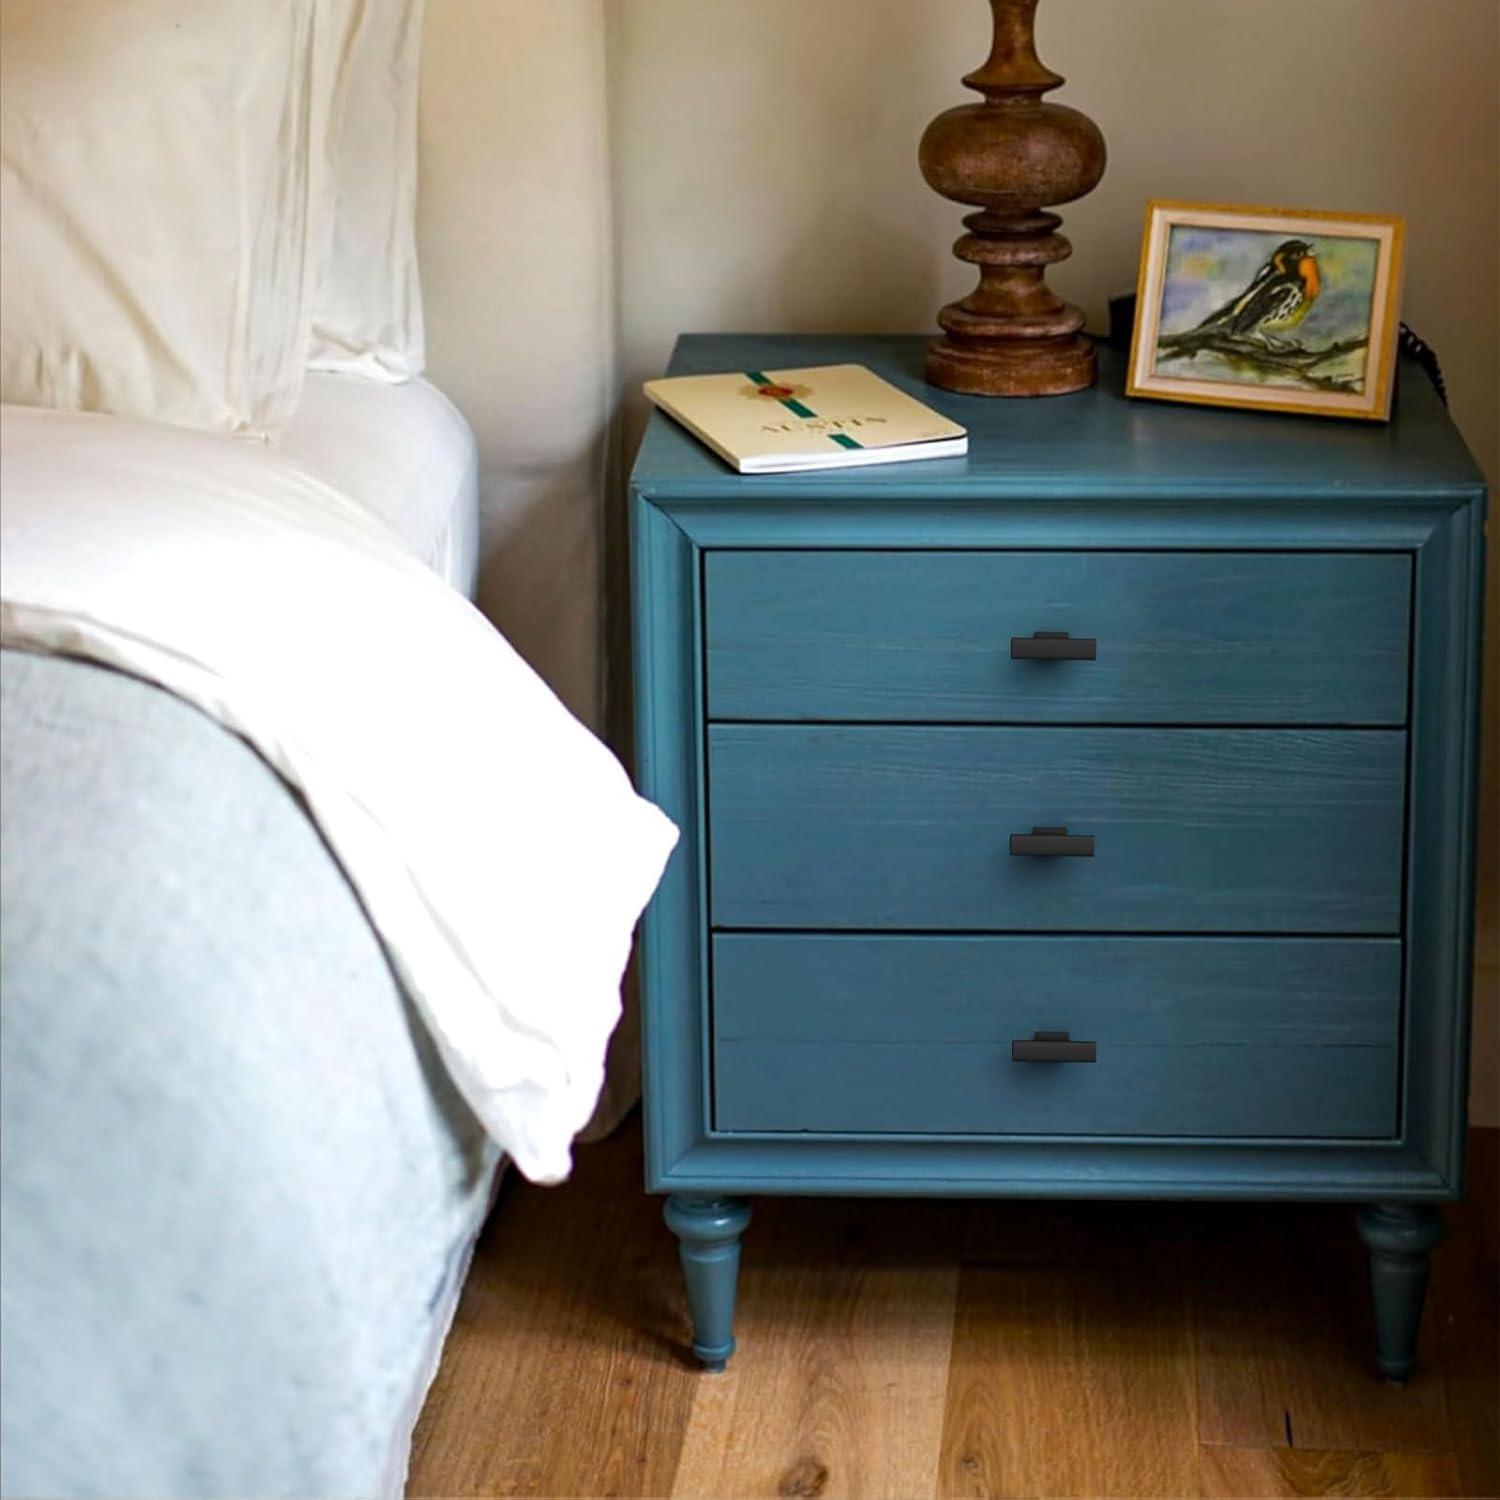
point(1279, 296)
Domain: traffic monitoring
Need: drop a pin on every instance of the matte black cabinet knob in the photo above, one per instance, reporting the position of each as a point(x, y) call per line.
point(1053, 843)
point(1053, 1046)
point(1053, 645)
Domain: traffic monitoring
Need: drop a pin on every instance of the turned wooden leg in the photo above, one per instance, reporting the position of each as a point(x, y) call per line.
point(1400, 1237)
point(708, 1232)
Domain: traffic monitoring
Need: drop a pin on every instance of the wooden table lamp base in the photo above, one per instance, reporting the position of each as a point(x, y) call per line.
point(1010, 157)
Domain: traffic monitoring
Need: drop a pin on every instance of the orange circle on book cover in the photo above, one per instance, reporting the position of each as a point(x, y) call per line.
point(775, 392)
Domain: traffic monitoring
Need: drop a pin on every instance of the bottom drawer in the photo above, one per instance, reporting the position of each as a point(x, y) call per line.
point(1279, 1037)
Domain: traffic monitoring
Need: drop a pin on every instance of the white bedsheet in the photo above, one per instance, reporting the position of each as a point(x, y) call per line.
point(506, 888)
point(405, 453)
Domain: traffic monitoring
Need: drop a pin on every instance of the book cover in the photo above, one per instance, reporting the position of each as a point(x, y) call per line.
point(787, 421)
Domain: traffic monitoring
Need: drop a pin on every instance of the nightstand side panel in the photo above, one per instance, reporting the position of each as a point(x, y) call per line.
point(1442, 812)
point(669, 770)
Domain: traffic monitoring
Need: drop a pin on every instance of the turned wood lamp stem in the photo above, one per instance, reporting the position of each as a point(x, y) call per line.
point(1013, 65)
point(1012, 157)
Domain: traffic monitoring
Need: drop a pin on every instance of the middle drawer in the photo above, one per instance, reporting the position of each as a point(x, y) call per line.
point(1193, 830)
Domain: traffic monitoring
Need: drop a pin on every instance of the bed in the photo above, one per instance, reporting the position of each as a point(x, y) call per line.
point(223, 1057)
point(314, 900)
point(405, 453)
point(240, 1183)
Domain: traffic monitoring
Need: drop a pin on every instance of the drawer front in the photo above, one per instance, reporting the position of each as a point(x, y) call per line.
point(1227, 830)
point(1179, 638)
point(1192, 1036)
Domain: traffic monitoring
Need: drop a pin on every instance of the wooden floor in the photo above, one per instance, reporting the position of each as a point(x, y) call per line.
point(908, 1349)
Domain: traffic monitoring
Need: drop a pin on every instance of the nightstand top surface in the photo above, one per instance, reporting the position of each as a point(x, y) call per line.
point(1097, 444)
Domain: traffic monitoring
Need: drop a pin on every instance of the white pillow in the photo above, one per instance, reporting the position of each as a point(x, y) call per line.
point(368, 319)
point(158, 170)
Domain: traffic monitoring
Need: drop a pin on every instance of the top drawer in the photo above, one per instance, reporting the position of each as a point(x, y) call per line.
point(1201, 638)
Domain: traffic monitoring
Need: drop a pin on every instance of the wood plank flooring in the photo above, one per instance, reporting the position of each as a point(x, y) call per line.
point(910, 1349)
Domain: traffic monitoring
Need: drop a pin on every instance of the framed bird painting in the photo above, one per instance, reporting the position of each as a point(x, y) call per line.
point(1278, 309)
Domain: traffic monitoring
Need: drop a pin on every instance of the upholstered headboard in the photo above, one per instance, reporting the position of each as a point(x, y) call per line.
point(514, 235)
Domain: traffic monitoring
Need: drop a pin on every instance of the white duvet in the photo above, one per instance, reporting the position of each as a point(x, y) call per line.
point(506, 886)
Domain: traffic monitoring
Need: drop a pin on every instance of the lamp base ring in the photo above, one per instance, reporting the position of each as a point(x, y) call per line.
point(1035, 367)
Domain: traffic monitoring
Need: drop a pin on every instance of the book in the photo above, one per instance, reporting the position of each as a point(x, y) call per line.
point(791, 421)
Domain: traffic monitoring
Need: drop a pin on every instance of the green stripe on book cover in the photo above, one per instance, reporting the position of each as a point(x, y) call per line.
point(798, 409)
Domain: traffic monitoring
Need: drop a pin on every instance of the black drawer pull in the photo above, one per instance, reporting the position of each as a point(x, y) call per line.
point(1053, 843)
point(1053, 645)
point(1053, 1046)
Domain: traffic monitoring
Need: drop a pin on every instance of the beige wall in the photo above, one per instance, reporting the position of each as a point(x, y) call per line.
point(765, 178)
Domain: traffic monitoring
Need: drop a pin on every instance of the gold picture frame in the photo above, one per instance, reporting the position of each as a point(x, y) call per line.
point(1271, 309)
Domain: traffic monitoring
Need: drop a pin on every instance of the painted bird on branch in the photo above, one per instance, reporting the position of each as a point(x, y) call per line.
point(1279, 296)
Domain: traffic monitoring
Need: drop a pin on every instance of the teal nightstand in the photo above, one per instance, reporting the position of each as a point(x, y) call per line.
point(1090, 817)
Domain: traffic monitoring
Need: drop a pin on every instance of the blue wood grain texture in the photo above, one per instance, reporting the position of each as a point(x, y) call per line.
point(708, 1232)
point(1096, 444)
point(1400, 1238)
point(673, 947)
point(1254, 1169)
point(1194, 1036)
point(1087, 473)
point(836, 521)
point(1182, 638)
point(1221, 830)
point(1443, 811)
